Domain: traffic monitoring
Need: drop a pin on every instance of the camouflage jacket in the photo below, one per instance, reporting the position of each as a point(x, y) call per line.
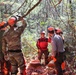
point(1, 54)
point(12, 39)
point(1, 36)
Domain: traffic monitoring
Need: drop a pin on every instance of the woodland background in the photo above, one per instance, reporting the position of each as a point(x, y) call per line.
point(56, 13)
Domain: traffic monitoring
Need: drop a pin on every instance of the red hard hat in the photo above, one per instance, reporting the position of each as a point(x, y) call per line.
point(50, 28)
point(12, 21)
point(58, 31)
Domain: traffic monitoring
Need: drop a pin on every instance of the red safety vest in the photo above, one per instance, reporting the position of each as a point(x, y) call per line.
point(42, 43)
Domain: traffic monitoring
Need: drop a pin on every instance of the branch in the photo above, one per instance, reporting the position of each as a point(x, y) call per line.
point(29, 5)
point(58, 3)
point(29, 45)
point(29, 9)
point(10, 6)
point(59, 14)
point(32, 8)
point(19, 7)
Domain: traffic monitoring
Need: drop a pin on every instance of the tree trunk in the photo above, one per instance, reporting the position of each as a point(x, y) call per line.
point(71, 23)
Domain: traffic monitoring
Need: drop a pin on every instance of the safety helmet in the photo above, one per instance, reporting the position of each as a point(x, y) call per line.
point(42, 32)
point(58, 31)
point(50, 29)
point(12, 20)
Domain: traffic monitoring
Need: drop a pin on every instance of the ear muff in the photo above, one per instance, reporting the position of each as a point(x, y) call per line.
point(3, 25)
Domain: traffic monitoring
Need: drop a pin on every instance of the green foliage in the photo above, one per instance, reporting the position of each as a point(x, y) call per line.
point(42, 23)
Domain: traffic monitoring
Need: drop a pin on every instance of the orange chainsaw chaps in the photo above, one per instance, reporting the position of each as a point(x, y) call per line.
point(6, 69)
point(63, 65)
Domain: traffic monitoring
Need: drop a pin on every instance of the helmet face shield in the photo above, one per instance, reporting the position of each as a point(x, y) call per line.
point(19, 24)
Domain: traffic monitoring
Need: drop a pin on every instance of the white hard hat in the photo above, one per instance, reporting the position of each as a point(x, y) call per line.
point(43, 32)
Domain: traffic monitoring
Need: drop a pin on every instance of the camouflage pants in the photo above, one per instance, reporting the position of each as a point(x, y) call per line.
point(17, 61)
point(1, 61)
point(1, 54)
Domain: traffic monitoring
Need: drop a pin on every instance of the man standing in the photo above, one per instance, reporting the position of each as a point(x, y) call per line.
point(2, 61)
point(59, 32)
point(57, 49)
point(11, 45)
point(42, 44)
point(1, 54)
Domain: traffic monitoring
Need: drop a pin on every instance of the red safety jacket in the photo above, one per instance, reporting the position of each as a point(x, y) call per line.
point(42, 43)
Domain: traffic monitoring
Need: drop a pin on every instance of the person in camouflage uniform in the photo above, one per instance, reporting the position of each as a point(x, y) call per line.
point(1, 54)
point(11, 46)
point(3, 27)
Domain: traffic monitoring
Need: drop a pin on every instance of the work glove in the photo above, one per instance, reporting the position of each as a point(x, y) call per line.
point(51, 57)
point(39, 50)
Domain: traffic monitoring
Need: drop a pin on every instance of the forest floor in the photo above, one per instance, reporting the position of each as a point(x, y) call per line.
point(70, 62)
point(69, 70)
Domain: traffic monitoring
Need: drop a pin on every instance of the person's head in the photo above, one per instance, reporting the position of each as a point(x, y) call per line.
point(58, 31)
point(42, 34)
point(50, 31)
point(12, 21)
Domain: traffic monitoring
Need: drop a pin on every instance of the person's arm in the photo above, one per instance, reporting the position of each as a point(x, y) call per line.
point(21, 28)
point(54, 47)
point(4, 49)
point(4, 45)
point(38, 46)
point(49, 40)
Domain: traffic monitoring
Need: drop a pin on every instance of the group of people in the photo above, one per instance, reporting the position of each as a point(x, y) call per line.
point(57, 43)
point(11, 47)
